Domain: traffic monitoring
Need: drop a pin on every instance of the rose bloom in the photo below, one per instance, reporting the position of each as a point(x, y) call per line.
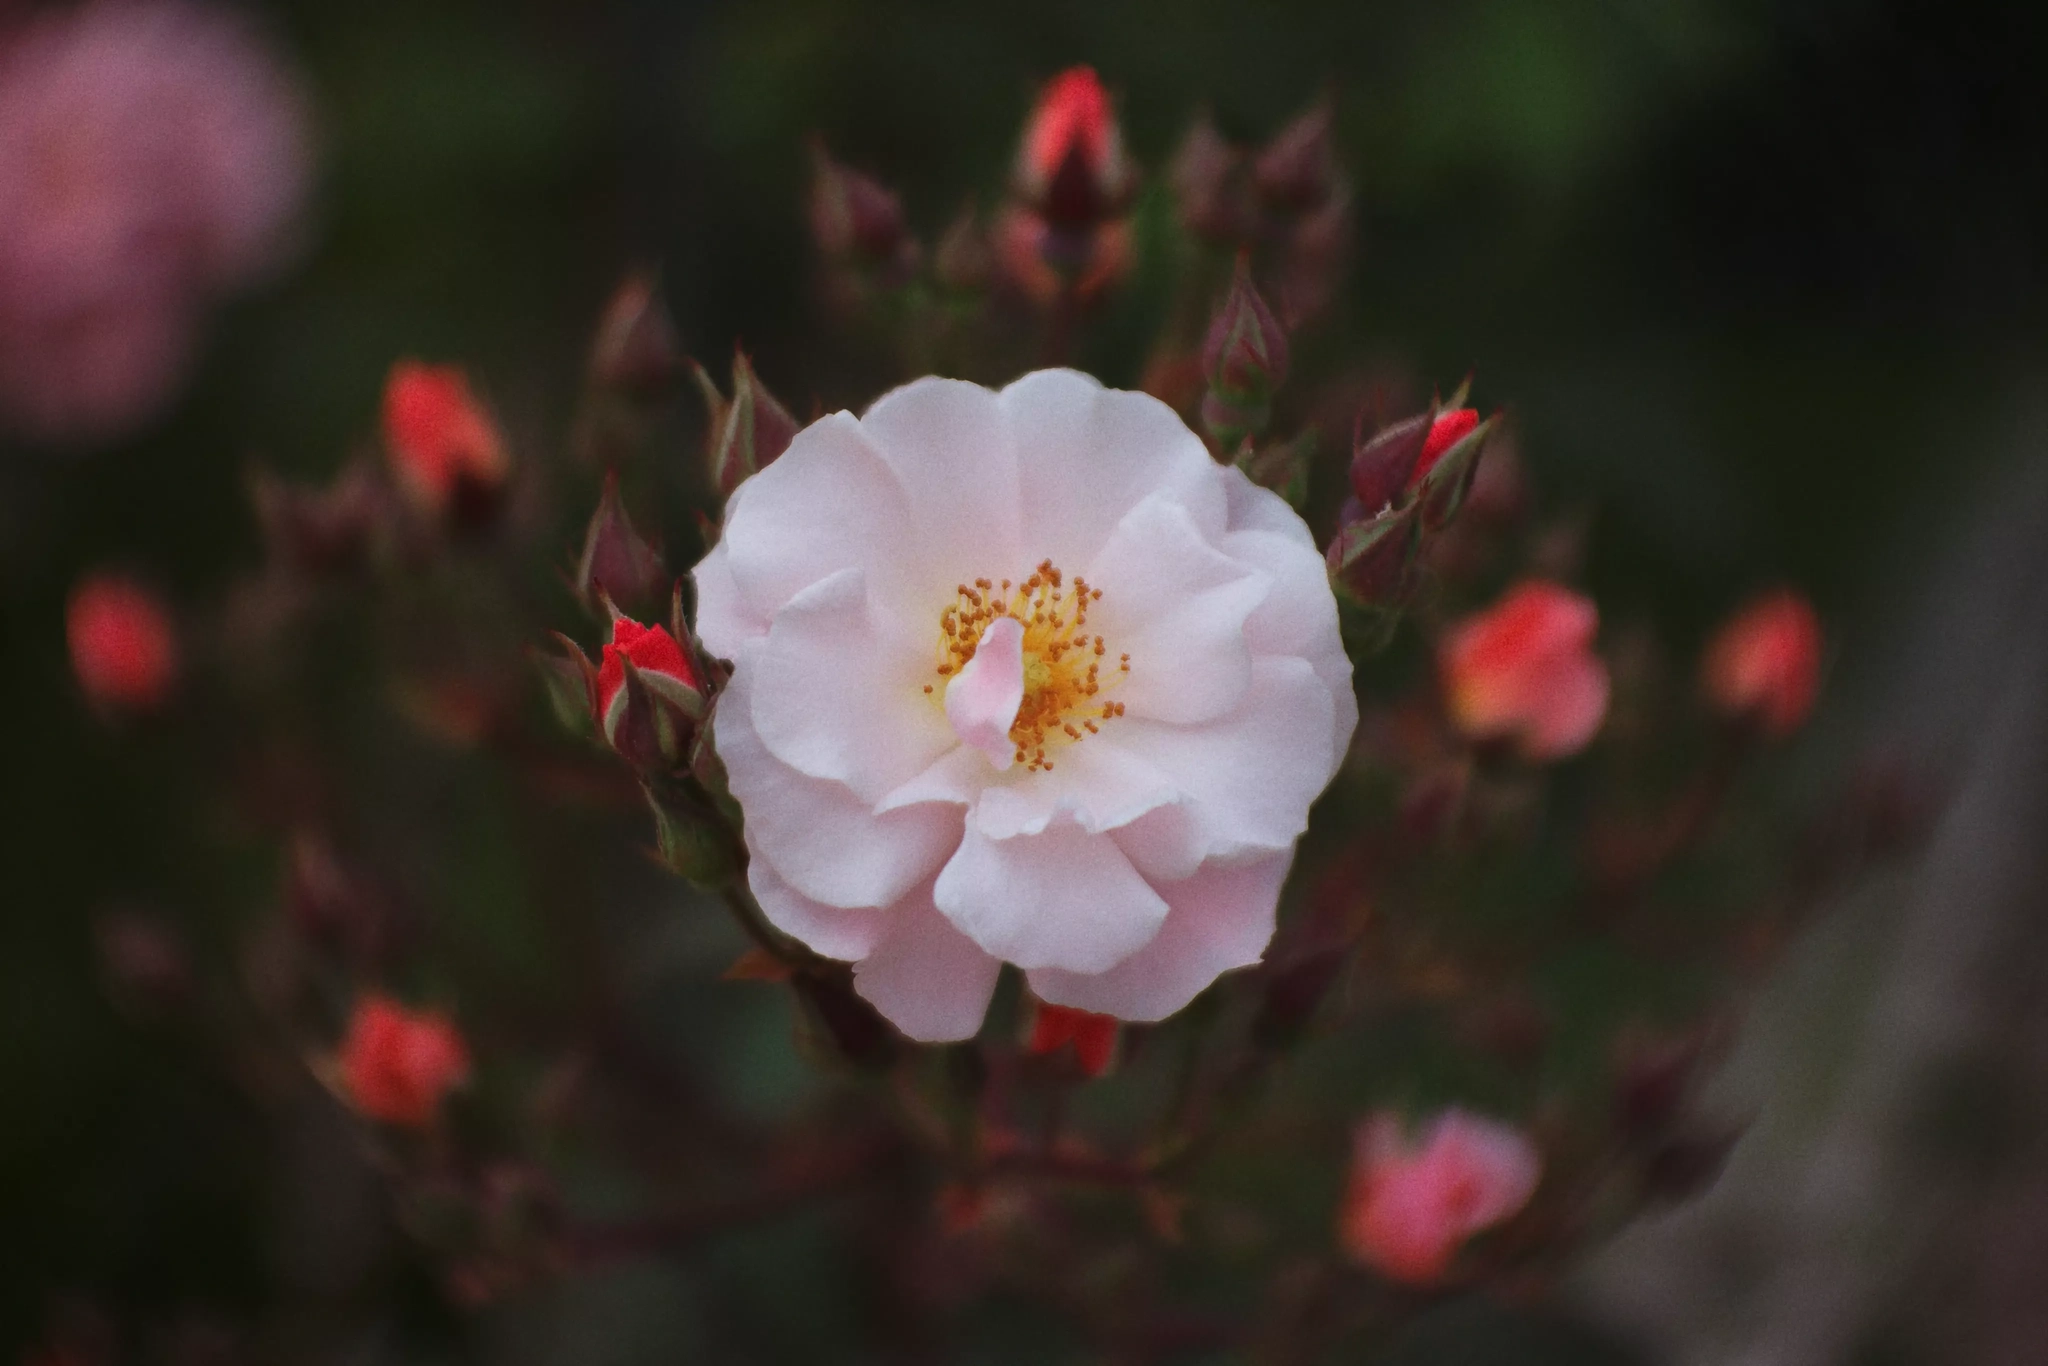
point(1412, 1203)
point(397, 1064)
point(123, 649)
point(152, 156)
point(443, 444)
point(1765, 663)
point(1021, 677)
point(1525, 670)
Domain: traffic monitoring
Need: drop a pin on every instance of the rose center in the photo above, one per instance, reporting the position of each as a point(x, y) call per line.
point(1066, 667)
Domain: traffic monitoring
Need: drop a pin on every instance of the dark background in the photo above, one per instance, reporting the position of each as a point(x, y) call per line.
point(1761, 280)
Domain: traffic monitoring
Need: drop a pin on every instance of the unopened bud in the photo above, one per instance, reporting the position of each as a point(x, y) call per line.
point(855, 220)
point(1245, 359)
point(1207, 178)
point(1383, 468)
point(1374, 560)
point(1070, 166)
point(1763, 666)
point(124, 648)
point(650, 697)
point(636, 353)
point(320, 531)
point(571, 681)
point(618, 562)
point(444, 446)
point(1297, 170)
point(1450, 461)
point(745, 433)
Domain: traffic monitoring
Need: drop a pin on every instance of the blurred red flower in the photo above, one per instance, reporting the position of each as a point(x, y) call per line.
point(1765, 663)
point(123, 648)
point(1525, 670)
point(397, 1064)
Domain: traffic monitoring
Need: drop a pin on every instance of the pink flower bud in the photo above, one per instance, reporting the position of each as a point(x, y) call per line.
point(1765, 663)
point(1092, 1036)
point(1297, 170)
point(397, 1064)
point(123, 649)
point(1245, 357)
point(744, 434)
point(443, 445)
point(1071, 166)
point(618, 562)
point(635, 352)
point(1413, 1202)
point(1525, 670)
point(1207, 180)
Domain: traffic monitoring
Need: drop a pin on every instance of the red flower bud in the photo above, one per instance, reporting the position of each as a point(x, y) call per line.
point(1413, 1201)
point(1447, 431)
point(1765, 663)
point(1092, 1036)
point(397, 1064)
point(650, 714)
point(1525, 670)
point(443, 445)
point(1071, 166)
point(123, 649)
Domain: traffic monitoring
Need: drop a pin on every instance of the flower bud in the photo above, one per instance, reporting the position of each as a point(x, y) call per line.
point(1373, 559)
point(650, 697)
point(1525, 670)
point(1207, 179)
point(1071, 169)
point(855, 220)
point(571, 681)
point(124, 651)
point(1412, 1203)
point(1245, 358)
point(618, 562)
point(745, 433)
point(320, 531)
point(964, 259)
point(396, 1065)
point(1383, 468)
point(1449, 464)
point(1297, 171)
point(444, 447)
point(1764, 664)
point(1092, 1037)
point(636, 353)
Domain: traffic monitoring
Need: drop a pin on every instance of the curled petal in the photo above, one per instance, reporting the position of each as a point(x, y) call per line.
point(1062, 898)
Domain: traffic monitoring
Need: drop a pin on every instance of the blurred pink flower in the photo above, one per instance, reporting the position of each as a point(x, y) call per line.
point(1525, 670)
point(953, 754)
point(1764, 663)
point(152, 157)
point(1413, 1202)
point(443, 444)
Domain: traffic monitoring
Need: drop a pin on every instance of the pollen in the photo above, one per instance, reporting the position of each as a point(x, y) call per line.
point(1066, 666)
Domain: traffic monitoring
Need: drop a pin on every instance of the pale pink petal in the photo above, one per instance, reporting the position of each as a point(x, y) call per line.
point(1096, 782)
point(1088, 455)
point(1251, 775)
point(1219, 919)
point(838, 693)
point(829, 503)
point(724, 622)
point(982, 699)
point(825, 842)
point(835, 931)
point(928, 979)
point(1063, 898)
point(1177, 606)
point(950, 446)
point(1496, 1168)
point(957, 776)
point(1165, 844)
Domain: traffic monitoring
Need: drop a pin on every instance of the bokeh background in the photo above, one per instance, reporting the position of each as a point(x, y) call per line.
point(1760, 280)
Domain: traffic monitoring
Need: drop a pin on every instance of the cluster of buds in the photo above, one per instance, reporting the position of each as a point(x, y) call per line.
point(1408, 480)
point(1289, 201)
